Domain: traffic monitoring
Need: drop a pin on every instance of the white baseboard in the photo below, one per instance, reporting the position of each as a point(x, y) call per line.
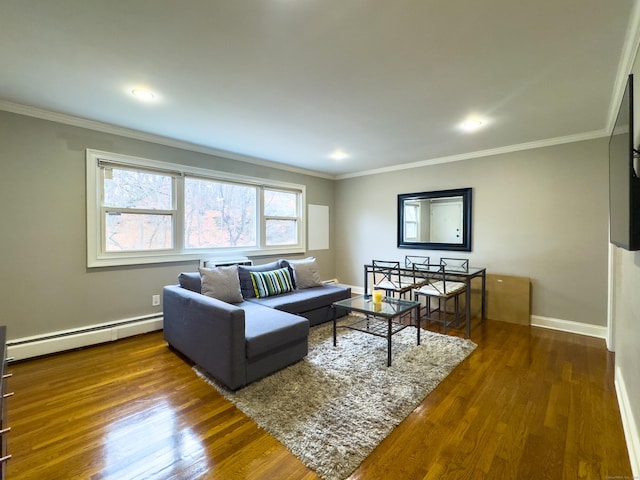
point(568, 326)
point(54, 342)
point(551, 323)
point(628, 423)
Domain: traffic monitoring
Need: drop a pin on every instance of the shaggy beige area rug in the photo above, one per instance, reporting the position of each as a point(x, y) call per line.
point(335, 406)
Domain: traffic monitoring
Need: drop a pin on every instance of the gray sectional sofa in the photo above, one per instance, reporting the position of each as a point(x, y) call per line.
point(240, 342)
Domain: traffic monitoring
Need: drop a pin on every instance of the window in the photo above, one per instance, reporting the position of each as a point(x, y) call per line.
point(138, 210)
point(281, 217)
point(219, 214)
point(146, 211)
point(411, 216)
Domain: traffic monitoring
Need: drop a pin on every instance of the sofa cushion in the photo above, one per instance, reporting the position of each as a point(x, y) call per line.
point(305, 272)
point(300, 301)
point(190, 281)
point(221, 283)
point(273, 282)
point(267, 329)
point(244, 275)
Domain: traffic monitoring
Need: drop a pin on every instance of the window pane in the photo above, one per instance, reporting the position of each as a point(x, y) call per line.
point(411, 230)
point(410, 213)
point(281, 232)
point(219, 214)
point(135, 189)
point(133, 231)
point(280, 204)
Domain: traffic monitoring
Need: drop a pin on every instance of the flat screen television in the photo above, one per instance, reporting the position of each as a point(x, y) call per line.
point(624, 184)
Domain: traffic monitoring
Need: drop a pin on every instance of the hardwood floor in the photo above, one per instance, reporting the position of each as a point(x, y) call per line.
point(529, 403)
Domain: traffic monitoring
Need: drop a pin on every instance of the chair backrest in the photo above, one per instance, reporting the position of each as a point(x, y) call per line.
point(389, 273)
point(455, 264)
point(409, 260)
point(433, 274)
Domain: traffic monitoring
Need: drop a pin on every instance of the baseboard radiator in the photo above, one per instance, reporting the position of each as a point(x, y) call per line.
point(38, 345)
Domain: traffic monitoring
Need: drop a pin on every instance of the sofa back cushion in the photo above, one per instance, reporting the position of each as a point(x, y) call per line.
point(221, 283)
point(305, 272)
point(273, 282)
point(244, 275)
point(190, 281)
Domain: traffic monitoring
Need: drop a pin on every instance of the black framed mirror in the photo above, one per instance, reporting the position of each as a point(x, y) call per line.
point(439, 220)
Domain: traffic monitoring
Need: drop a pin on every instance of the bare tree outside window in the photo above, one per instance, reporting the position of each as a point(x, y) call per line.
point(137, 208)
point(281, 222)
point(219, 214)
point(143, 211)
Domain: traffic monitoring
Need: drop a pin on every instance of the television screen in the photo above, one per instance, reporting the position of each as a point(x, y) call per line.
point(624, 191)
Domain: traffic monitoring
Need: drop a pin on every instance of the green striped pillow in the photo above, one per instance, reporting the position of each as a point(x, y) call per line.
point(273, 282)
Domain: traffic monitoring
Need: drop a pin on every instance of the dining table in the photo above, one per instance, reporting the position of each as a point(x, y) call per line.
point(452, 273)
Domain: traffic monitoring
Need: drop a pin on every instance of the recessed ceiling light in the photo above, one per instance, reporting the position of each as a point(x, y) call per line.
point(338, 154)
point(142, 94)
point(473, 123)
point(470, 125)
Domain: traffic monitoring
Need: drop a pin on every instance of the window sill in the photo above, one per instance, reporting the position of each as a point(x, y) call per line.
point(136, 259)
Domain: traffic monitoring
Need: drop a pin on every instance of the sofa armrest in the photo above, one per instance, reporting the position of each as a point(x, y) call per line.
point(208, 331)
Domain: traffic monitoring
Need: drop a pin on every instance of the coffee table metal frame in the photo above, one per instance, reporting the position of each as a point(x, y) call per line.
point(380, 317)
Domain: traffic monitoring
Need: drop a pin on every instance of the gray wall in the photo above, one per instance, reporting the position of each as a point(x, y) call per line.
point(46, 286)
point(626, 312)
point(539, 213)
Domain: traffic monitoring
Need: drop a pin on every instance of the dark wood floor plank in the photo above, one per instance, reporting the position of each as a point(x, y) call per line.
point(528, 403)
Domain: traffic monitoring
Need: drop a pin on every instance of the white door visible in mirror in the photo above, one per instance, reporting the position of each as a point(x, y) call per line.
point(446, 220)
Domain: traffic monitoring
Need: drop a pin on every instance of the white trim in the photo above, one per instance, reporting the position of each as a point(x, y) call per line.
point(96, 257)
point(54, 342)
point(546, 322)
point(481, 153)
point(569, 326)
point(629, 425)
point(627, 57)
point(611, 295)
point(148, 137)
point(170, 142)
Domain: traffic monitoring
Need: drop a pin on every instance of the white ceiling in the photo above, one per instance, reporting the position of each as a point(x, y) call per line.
point(289, 81)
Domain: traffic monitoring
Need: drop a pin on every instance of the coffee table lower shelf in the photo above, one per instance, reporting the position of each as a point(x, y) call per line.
point(378, 319)
point(374, 326)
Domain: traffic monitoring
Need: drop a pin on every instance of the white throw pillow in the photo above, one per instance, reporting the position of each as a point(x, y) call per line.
point(221, 283)
point(306, 273)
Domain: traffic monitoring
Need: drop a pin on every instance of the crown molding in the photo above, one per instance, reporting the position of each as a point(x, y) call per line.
point(148, 137)
point(170, 142)
point(627, 59)
point(481, 153)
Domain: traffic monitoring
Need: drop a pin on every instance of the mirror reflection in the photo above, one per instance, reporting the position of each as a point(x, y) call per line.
point(439, 220)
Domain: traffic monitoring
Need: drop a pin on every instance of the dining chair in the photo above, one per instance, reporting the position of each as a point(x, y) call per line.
point(455, 264)
point(387, 276)
point(409, 260)
point(440, 288)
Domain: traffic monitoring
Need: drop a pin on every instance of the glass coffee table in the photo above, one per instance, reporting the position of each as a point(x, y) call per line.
point(381, 320)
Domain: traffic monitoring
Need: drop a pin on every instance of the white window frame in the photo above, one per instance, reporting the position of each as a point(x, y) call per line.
point(415, 223)
point(98, 257)
point(264, 217)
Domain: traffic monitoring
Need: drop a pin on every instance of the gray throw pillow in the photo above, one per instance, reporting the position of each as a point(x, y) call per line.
point(221, 283)
point(191, 281)
point(306, 272)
